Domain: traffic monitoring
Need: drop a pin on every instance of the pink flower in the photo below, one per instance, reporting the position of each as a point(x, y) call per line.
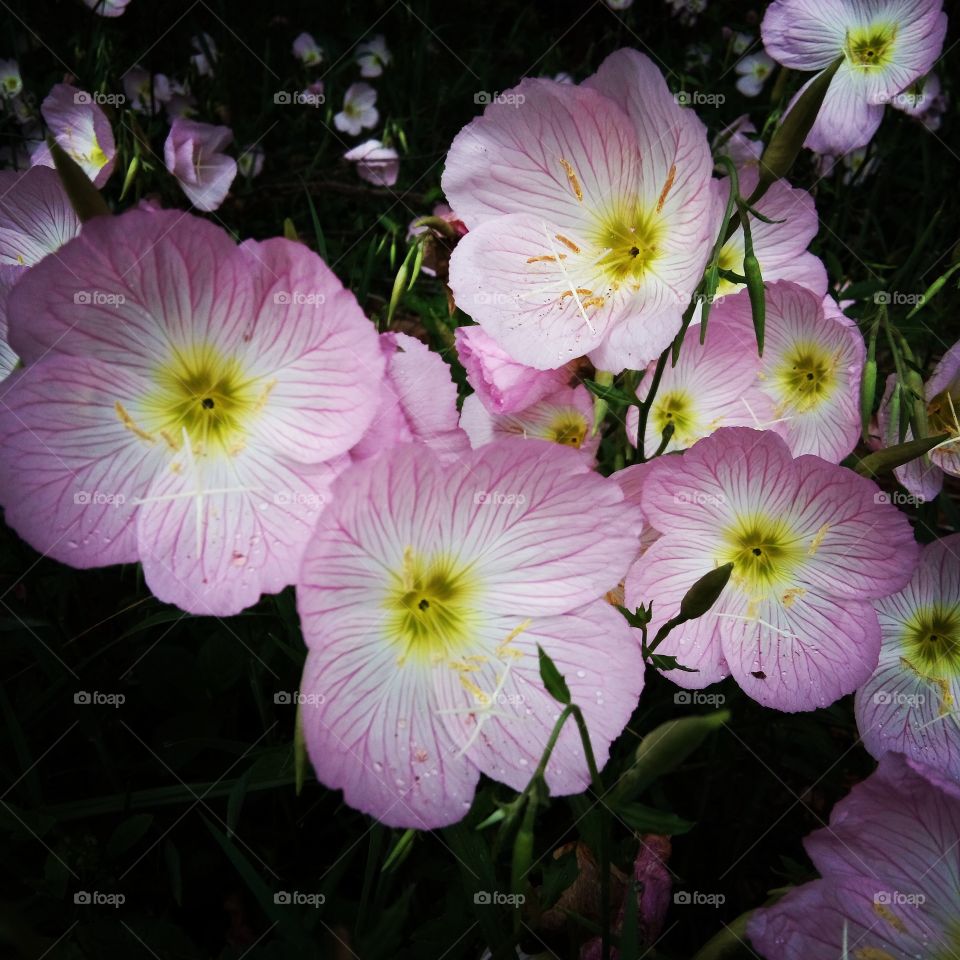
point(359, 110)
point(418, 402)
point(885, 45)
point(192, 154)
point(82, 130)
point(810, 372)
point(423, 596)
point(108, 8)
point(36, 219)
point(185, 402)
point(376, 163)
point(306, 50)
point(250, 161)
point(590, 214)
point(752, 71)
point(888, 862)
point(144, 91)
point(372, 56)
point(564, 416)
point(909, 705)
point(811, 546)
point(502, 384)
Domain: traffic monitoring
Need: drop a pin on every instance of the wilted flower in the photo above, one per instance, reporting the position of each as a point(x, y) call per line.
point(372, 57)
point(910, 703)
point(82, 130)
point(423, 596)
point(811, 544)
point(307, 51)
point(143, 91)
point(753, 71)
point(888, 862)
point(192, 153)
point(185, 402)
point(590, 214)
point(376, 163)
point(359, 109)
point(885, 45)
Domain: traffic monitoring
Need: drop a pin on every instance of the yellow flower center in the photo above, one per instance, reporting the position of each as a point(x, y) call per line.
point(871, 48)
point(209, 397)
point(430, 607)
point(931, 641)
point(676, 407)
point(765, 554)
point(731, 258)
point(806, 377)
point(943, 412)
point(630, 240)
point(568, 427)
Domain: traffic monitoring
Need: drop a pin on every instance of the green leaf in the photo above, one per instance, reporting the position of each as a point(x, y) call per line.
point(644, 819)
point(663, 661)
point(552, 678)
point(558, 875)
point(400, 851)
point(235, 801)
point(883, 461)
point(610, 394)
point(83, 195)
point(704, 593)
point(299, 753)
point(639, 618)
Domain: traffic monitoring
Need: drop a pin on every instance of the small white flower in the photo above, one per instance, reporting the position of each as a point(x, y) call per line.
point(372, 56)
point(359, 109)
point(11, 85)
point(307, 51)
point(753, 70)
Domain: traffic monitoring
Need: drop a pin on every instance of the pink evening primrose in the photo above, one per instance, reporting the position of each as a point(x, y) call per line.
point(81, 128)
point(910, 704)
point(502, 384)
point(813, 358)
point(193, 154)
point(885, 45)
point(811, 544)
point(36, 219)
point(564, 416)
point(423, 595)
point(590, 216)
point(375, 163)
point(359, 110)
point(307, 51)
point(108, 8)
point(418, 402)
point(889, 862)
point(752, 72)
point(372, 56)
point(185, 402)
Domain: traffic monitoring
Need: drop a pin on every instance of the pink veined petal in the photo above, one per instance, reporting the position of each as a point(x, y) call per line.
point(373, 731)
point(664, 573)
point(130, 289)
point(250, 516)
point(922, 478)
point(594, 650)
point(307, 336)
point(644, 330)
point(8, 356)
point(799, 654)
point(559, 155)
point(805, 34)
point(72, 472)
point(36, 217)
point(846, 119)
point(216, 174)
point(418, 402)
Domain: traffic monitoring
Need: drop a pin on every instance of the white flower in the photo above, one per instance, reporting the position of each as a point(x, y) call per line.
point(307, 51)
point(753, 70)
point(11, 84)
point(372, 56)
point(359, 109)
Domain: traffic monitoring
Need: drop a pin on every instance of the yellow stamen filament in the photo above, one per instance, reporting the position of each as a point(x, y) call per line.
point(572, 179)
point(671, 176)
point(568, 243)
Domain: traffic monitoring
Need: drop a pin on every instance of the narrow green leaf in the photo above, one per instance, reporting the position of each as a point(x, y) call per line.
point(83, 195)
point(883, 461)
point(553, 680)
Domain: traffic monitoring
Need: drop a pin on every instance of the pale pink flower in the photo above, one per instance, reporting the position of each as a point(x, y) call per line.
point(811, 544)
point(359, 110)
point(143, 91)
point(185, 402)
point(590, 216)
point(564, 416)
point(502, 384)
point(11, 83)
point(82, 130)
point(307, 50)
point(250, 161)
point(423, 595)
point(885, 45)
point(372, 56)
point(206, 56)
point(376, 163)
point(108, 8)
point(418, 402)
point(192, 153)
point(753, 71)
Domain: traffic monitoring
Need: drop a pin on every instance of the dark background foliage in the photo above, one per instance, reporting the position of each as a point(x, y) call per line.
point(182, 798)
